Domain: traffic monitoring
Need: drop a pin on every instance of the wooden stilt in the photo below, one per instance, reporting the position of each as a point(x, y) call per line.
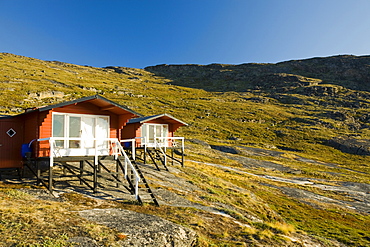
point(81, 170)
point(95, 176)
point(145, 150)
point(38, 172)
point(182, 157)
point(50, 177)
point(117, 171)
point(172, 151)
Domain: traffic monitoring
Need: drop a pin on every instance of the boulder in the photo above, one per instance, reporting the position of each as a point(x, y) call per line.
point(351, 145)
point(226, 149)
point(142, 229)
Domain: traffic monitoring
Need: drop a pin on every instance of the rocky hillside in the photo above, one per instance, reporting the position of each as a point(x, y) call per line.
point(347, 72)
point(277, 154)
point(338, 85)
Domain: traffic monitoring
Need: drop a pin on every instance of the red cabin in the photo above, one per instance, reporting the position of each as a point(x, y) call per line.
point(78, 128)
point(153, 131)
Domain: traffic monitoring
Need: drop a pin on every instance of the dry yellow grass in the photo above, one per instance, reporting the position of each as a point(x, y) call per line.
point(28, 221)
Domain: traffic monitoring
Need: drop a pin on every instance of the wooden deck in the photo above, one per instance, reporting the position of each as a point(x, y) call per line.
point(102, 173)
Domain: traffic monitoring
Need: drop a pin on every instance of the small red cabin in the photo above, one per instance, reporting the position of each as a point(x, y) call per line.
point(153, 130)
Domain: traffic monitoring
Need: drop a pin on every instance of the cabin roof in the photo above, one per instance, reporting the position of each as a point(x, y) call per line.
point(166, 117)
point(97, 100)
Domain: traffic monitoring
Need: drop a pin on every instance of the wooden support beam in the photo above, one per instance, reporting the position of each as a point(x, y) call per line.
point(81, 170)
point(80, 177)
point(38, 171)
point(182, 157)
point(107, 108)
point(172, 156)
point(95, 177)
point(50, 178)
point(117, 171)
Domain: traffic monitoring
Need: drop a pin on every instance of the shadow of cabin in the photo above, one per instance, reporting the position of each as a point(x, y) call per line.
point(85, 137)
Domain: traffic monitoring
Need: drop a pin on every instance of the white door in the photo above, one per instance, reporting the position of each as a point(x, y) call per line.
point(102, 133)
point(154, 134)
point(88, 131)
point(81, 135)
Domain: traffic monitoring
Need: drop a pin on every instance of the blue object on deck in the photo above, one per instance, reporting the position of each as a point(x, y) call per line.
point(127, 144)
point(25, 149)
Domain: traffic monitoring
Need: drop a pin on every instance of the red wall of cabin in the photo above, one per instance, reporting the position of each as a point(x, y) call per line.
point(45, 121)
point(10, 147)
point(131, 131)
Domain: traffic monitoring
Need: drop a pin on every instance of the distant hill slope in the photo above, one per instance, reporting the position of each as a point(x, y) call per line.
point(351, 72)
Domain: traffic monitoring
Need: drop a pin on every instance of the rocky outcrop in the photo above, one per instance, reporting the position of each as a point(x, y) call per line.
point(351, 145)
point(141, 229)
point(46, 94)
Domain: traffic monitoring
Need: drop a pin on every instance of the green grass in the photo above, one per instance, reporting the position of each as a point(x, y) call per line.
point(328, 223)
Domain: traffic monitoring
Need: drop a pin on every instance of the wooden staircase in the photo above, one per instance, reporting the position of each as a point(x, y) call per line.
point(138, 185)
point(146, 194)
point(157, 157)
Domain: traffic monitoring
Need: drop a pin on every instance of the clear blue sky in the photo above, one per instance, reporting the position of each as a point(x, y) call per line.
point(140, 33)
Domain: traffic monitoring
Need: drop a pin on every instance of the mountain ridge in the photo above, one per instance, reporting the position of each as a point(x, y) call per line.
point(327, 69)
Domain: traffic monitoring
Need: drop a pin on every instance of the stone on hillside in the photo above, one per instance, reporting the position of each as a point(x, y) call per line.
point(200, 142)
point(142, 229)
point(46, 94)
point(226, 149)
point(83, 242)
point(351, 145)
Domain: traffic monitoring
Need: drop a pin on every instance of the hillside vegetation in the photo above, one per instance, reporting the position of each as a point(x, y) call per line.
point(281, 148)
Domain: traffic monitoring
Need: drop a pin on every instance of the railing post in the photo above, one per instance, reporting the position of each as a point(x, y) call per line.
point(95, 152)
point(51, 155)
point(125, 163)
point(133, 149)
point(51, 164)
point(137, 188)
point(182, 152)
point(128, 162)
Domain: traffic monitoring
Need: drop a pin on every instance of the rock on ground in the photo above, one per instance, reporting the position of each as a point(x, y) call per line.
point(142, 229)
point(351, 145)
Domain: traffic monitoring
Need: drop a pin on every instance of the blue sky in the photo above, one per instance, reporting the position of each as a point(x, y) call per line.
point(140, 33)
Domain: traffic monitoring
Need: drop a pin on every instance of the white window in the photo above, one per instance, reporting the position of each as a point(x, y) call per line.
point(155, 133)
point(79, 134)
